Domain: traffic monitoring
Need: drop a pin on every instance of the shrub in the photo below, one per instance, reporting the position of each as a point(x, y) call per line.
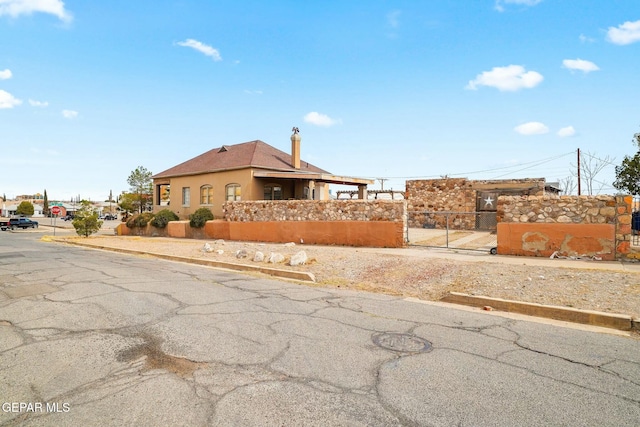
point(140, 220)
point(163, 217)
point(86, 220)
point(200, 217)
point(25, 208)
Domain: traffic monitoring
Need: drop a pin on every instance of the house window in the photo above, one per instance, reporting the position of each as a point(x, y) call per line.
point(206, 195)
point(162, 194)
point(272, 192)
point(233, 193)
point(186, 196)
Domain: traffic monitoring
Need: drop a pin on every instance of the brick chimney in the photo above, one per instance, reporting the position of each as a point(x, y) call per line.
point(295, 148)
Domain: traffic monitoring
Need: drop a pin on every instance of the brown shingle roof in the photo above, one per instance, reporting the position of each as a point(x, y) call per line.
point(255, 154)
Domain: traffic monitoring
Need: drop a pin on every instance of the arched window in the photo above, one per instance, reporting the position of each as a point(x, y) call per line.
point(233, 193)
point(206, 195)
point(272, 192)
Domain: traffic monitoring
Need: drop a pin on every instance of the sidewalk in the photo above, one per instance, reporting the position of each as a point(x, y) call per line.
point(480, 256)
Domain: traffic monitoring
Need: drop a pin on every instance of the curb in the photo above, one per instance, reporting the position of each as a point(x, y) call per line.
point(587, 317)
point(286, 274)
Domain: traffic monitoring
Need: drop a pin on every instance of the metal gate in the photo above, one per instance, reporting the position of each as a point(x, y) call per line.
point(474, 231)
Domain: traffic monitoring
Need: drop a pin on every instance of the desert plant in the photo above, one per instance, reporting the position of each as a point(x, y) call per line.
point(86, 220)
point(163, 217)
point(200, 217)
point(140, 220)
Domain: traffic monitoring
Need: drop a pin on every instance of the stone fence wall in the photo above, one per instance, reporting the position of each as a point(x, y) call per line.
point(375, 223)
point(456, 195)
point(427, 197)
point(563, 209)
point(571, 225)
point(316, 210)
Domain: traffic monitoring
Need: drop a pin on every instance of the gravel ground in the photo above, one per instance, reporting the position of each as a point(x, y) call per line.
point(408, 273)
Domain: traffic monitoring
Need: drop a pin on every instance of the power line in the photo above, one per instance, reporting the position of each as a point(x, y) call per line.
point(535, 163)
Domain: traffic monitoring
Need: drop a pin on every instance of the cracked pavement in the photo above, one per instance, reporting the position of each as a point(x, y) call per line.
point(109, 339)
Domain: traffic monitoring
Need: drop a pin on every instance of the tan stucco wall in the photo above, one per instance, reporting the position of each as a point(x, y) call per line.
point(251, 189)
point(218, 181)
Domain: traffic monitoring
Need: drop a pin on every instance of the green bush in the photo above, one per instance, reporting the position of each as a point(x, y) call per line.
point(140, 220)
point(200, 217)
point(163, 217)
point(86, 221)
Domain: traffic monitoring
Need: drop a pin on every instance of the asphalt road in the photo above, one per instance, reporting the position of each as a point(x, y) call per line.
point(93, 338)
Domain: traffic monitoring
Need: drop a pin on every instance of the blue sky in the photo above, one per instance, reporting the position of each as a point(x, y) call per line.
point(483, 89)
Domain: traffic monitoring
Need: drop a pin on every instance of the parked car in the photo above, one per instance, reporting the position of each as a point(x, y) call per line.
point(109, 217)
point(22, 223)
point(68, 217)
point(4, 225)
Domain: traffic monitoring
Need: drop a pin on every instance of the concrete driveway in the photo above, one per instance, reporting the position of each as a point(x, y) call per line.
point(95, 338)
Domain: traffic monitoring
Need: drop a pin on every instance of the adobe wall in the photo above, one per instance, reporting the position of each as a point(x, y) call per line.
point(574, 226)
point(373, 223)
point(383, 234)
point(365, 223)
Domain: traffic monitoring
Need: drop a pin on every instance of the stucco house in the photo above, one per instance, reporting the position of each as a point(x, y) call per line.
point(251, 170)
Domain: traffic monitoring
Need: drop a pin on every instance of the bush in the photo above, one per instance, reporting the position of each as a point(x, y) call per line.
point(140, 220)
point(86, 220)
point(163, 217)
point(25, 208)
point(200, 217)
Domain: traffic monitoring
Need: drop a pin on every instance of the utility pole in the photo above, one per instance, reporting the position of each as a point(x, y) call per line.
point(382, 180)
point(578, 171)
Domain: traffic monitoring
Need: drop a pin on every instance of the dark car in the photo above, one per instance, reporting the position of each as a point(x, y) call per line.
point(109, 217)
point(22, 223)
point(68, 217)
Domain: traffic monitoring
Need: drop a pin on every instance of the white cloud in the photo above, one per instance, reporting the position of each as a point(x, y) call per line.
point(393, 18)
point(580, 64)
point(627, 33)
point(202, 48)
point(69, 114)
point(318, 119)
point(585, 39)
point(500, 3)
point(6, 74)
point(15, 8)
point(253, 92)
point(510, 78)
point(7, 100)
point(38, 103)
point(567, 131)
point(532, 128)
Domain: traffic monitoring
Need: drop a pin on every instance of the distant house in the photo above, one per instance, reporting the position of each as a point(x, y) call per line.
point(249, 171)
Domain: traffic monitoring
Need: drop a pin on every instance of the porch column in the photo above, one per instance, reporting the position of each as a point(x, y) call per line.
point(320, 191)
point(362, 192)
point(312, 186)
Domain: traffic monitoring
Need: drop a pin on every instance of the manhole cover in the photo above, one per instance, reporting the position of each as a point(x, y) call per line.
point(404, 343)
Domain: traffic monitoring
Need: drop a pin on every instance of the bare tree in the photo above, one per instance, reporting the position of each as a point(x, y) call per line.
point(590, 167)
point(568, 185)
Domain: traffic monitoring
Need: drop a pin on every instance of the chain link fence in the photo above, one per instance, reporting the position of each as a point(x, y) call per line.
point(455, 230)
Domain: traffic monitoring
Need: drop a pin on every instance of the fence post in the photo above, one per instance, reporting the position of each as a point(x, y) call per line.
point(447, 228)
